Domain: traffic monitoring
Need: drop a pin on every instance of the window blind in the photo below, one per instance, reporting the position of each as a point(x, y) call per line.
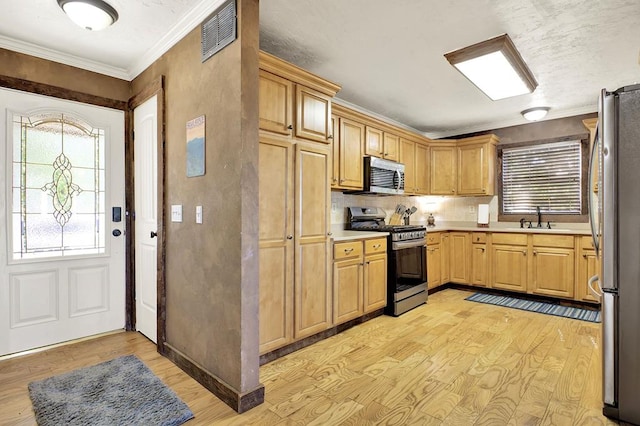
point(544, 175)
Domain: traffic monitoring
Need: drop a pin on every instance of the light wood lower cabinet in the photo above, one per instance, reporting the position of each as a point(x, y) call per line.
point(479, 259)
point(445, 256)
point(359, 278)
point(553, 265)
point(588, 266)
point(509, 261)
point(460, 257)
point(434, 260)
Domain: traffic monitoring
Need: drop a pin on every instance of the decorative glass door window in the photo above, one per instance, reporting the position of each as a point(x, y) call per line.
point(58, 188)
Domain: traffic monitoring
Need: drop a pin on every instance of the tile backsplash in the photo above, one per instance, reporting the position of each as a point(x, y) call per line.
point(443, 208)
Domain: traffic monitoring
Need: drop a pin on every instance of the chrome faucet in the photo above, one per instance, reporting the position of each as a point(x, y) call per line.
point(539, 217)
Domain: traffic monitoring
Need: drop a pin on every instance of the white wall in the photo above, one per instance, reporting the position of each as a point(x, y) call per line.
point(447, 209)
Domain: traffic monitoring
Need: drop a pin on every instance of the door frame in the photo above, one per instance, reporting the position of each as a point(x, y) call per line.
point(154, 88)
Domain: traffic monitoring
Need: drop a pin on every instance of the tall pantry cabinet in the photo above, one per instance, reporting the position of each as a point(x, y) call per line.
point(294, 177)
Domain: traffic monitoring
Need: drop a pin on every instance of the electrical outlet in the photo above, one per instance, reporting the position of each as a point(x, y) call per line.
point(472, 209)
point(334, 207)
point(199, 214)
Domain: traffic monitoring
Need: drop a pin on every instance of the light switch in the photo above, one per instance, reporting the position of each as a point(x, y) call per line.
point(176, 213)
point(198, 214)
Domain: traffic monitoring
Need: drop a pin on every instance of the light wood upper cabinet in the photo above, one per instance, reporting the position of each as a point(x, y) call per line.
point(276, 218)
point(313, 114)
point(422, 169)
point(391, 146)
point(407, 157)
point(276, 103)
point(476, 165)
point(460, 256)
point(312, 289)
point(351, 143)
point(443, 170)
point(382, 144)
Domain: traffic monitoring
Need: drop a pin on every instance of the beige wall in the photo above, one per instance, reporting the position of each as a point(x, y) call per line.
point(212, 268)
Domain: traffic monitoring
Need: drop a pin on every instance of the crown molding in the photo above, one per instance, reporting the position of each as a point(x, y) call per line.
point(586, 109)
point(62, 58)
point(380, 117)
point(188, 22)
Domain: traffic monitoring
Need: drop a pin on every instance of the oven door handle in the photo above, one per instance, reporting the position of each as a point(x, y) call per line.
point(399, 245)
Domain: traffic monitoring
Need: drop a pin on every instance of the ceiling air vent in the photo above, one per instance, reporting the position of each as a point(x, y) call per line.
point(219, 29)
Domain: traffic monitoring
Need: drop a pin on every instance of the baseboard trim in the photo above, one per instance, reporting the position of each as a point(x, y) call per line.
point(307, 341)
point(240, 402)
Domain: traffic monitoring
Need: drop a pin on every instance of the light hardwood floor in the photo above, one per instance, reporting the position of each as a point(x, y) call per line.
point(450, 362)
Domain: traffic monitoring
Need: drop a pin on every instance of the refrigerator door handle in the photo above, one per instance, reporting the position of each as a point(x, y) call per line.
point(609, 329)
point(593, 212)
point(595, 279)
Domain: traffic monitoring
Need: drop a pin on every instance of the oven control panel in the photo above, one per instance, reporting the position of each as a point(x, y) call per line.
point(408, 235)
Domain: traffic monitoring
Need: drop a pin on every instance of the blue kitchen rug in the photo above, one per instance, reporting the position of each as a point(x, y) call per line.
point(541, 307)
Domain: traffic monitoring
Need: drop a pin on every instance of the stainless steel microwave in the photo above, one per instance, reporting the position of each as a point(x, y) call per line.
point(383, 176)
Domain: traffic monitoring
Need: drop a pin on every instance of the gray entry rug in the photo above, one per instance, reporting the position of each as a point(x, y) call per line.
point(540, 307)
point(122, 391)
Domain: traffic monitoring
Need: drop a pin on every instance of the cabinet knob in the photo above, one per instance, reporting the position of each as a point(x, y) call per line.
point(330, 137)
point(482, 249)
point(453, 190)
point(376, 246)
point(584, 255)
point(535, 253)
point(290, 127)
point(349, 250)
point(289, 237)
point(524, 252)
point(329, 233)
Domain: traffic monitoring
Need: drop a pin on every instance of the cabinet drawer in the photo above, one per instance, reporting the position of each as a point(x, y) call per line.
point(509, 239)
point(433, 238)
point(542, 240)
point(375, 246)
point(587, 243)
point(479, 237)
point(347, 249)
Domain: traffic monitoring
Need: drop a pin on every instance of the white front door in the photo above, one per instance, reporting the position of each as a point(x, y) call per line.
point(145, 118)
point(62, 248)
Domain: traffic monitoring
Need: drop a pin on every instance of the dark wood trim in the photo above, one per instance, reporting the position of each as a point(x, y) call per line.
point(240, 402)
point(155, 88)
point(60, 92)
point(130, 296)
point(307, 341)
point(572, 218)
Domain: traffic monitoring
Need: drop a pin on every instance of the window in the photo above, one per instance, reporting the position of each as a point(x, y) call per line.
point(546, 175)
point(58, 187)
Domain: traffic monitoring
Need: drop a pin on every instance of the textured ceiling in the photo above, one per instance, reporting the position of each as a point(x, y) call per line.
point(386, 55)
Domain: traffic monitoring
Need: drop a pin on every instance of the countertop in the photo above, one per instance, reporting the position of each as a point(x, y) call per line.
point(340, 234)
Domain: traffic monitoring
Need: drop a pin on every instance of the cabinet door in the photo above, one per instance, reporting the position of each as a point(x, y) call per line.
point(479, 264)
point(588, 266)
point(374, 142)
point(509, 267)
point(553, 271)
point(443, 170)
point(312, 258)
point(375, 282)
point(434, 264)
point(460, 256)
point(335, 151)
point(391, 146)
point(351, 153)
point(313, 114)
point(422, 169)
point(347, 290)
point(445, 255)
point(407, 157)
point(276, 244)
point(276, 103)
point(472, 175)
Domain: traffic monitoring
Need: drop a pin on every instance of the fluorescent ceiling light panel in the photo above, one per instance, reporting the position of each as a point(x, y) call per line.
point(495, 67)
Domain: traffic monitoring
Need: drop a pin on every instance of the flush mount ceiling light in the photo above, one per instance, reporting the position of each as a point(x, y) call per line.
point(93, 15)
point(535, 114)
point(495, 67)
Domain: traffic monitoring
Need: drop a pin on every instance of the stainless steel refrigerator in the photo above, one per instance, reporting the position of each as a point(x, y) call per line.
point(616, 229)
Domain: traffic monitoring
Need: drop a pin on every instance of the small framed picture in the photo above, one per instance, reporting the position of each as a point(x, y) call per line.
point(195, 147)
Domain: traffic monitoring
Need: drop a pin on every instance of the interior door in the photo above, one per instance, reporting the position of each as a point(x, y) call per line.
point(145, 119)
point(62, 244)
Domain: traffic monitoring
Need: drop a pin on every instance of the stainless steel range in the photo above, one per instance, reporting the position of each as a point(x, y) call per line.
point(406, 252)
